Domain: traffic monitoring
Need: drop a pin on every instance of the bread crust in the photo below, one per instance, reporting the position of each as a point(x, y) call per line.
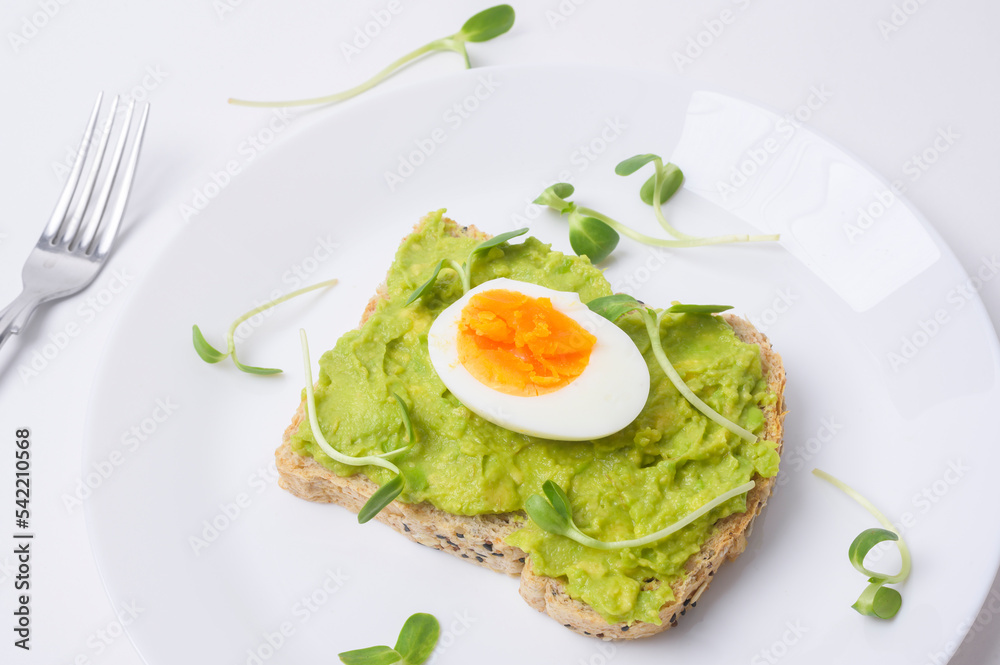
point(480, 539)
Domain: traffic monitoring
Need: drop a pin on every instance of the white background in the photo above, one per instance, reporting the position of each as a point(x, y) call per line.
point(898, 75)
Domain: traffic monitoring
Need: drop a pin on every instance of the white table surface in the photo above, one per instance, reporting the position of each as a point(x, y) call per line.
point(898, 74)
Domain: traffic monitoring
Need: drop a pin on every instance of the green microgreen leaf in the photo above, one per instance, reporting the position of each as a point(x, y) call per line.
point(547, 517)
point(482, 27)
point(887, 602)
point(590, 237)
point(414, 645)
point(863, 544)
point(614, 307)
point(418, 638)
point(876, 600)
point(250, 369)
point(633, 164)
point(554, 197)
point(558, 498)
point(487, 245)
point(646, 191)
point(206, 351)
point(404, 413)
point(380, 655)
point(382, 497)
point(426, 285)
point(466, 269)
point(487, 24)
point(671, 179)
point(210, 354)
point(559, 520)
point(697, 309)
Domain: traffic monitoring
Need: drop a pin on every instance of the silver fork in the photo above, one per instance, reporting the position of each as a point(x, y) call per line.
point(70, 252)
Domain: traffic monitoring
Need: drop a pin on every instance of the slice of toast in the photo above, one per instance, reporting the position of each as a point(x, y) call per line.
point(481, 539)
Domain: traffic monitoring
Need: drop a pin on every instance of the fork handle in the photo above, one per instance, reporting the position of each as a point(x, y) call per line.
point(15, 316)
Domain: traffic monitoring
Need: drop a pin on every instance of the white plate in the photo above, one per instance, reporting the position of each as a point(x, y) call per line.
point(892, 372)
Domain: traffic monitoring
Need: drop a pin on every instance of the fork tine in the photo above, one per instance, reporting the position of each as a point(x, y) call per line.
point(68, 231)
point(55, 221)
point(86, 236)
point(109, 230)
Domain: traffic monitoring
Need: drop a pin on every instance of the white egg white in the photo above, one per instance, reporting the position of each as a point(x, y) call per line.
point(607, 396)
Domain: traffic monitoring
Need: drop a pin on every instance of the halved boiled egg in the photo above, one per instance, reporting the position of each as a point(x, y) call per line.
point(538, 361)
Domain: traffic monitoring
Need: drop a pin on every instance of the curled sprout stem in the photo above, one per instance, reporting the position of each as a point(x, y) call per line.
point(614, 307)
point(904, 551)
point(343, 95)
point(573, 532)
point(464, 270)
point(687, 241)
point(658, 204)
point(484, 26)
point(231, 333)
point(373, 460)
point(653, 329)
point(464, 273)
point(210, 354)
point(668, 227)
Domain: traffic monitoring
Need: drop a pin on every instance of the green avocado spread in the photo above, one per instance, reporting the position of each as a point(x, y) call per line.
point(667, 463)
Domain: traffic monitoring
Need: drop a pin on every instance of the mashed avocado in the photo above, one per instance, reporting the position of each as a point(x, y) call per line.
point(668, 462)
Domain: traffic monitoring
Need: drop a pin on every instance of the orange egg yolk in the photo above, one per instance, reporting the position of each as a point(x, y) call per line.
point(521, 345)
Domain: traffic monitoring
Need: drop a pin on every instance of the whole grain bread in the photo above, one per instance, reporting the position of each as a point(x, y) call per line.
point(481, 539)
